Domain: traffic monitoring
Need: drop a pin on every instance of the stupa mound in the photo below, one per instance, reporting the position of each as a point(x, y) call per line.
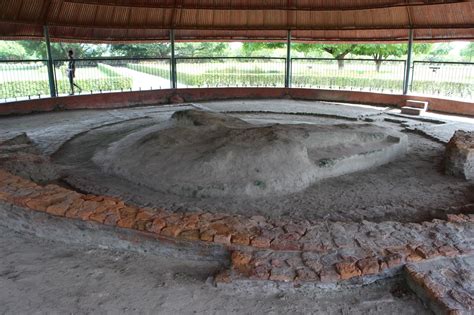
point(206, 154)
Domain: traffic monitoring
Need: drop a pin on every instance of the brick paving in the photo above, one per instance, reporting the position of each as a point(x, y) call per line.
point(280, 247)
point(447, 285)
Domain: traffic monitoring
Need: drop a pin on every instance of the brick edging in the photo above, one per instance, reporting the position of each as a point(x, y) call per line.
point(358, 248)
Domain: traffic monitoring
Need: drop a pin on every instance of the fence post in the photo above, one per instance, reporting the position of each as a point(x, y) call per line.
point(408, 65)
point(173, 62)
point(52, 85)
point(288, 61)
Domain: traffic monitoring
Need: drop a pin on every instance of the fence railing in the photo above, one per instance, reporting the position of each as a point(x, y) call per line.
point(445, 79)
point(230, 72)
point(23, 79)
point(27, 79)
point(348, 74)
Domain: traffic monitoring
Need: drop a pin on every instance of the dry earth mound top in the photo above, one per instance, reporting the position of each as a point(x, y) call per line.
point(208, 154)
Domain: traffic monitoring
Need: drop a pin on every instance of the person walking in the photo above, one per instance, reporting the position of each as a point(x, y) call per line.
point(71, 72)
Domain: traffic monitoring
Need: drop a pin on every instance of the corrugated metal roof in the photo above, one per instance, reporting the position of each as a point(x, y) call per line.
point(309, 20)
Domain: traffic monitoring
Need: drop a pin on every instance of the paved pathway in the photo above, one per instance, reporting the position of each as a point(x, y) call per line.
point(145, 81)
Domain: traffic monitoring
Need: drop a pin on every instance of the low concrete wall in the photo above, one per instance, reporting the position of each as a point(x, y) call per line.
point(157, 97)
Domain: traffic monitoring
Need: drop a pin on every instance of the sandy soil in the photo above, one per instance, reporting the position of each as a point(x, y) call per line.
point(42, 277)
point(412, 188)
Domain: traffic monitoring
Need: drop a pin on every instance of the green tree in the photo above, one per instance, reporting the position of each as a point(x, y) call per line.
point(157, 50)
point(37, 49)
point(203, 49)
point(439, 51)
point(381, 52)
point(163, 50)
point(11, 50)
point(338, 51)
point(468, 52)
point(260, 49)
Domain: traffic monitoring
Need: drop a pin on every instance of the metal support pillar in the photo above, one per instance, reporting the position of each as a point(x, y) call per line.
point(173, 62)
point(52, 84)
point(408, 65)
point(288, 61)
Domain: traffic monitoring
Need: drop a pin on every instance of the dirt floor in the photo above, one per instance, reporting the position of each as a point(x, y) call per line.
point(411, 188)
point(43, 277)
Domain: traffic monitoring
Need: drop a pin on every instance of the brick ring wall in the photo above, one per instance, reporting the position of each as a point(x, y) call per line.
point(166, 96)
point(263, 249)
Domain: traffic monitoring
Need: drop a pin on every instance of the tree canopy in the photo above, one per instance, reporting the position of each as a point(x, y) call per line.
point(468, 52)
point(12, 50)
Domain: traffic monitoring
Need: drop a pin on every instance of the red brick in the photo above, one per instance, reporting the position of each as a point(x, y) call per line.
point(260, 242)
point(241, 239)
point(295, 228)
point(261, 272)
point(191, 235)
point(275, 262)
point(99, 216)
point(393, 260)
point(464, 298)
point(284, 274)
point(171, 230)
point(347, 269)
point(435, 290)
point(111, 219)
point(241, 262)
point(222, 239)
point(314, 264)
point(42, 202)
point(207, 235)
point(448, 251)
point(426, 252)
point(368, 266)
point(329, 274)
point(221, 229)
point(86, 209)
point(61, 208)
point(73, 211)
point(382, 265)
point(455, 218)
point(223, 277)
point(306, 274)
point(287, 241)
point(157, 225)
point(414, 257)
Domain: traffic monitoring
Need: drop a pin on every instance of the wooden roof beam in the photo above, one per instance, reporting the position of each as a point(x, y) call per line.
point(197, 6)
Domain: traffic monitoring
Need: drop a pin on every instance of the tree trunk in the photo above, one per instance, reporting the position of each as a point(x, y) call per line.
point(378, 64)
point(340, 64)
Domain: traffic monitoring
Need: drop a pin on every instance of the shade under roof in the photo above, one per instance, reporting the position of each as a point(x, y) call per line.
point(237, 20)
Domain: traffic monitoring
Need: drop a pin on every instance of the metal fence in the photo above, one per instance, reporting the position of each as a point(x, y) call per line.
point(444, 79)
point(23, 79)
point(28, 79)
point(230, 72)
point(348, 74)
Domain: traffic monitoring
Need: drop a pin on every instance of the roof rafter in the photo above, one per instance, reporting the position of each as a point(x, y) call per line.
point(293, 7)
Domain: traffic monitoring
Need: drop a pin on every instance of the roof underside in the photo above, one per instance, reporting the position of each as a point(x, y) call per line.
point(237, 20)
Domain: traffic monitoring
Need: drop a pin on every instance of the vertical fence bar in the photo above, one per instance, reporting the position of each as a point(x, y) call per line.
point(173, 62)
point(408, 66)
point(52, 85)
point(288, 61)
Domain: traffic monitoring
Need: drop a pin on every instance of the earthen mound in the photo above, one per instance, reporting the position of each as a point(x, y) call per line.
point(206, 154)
